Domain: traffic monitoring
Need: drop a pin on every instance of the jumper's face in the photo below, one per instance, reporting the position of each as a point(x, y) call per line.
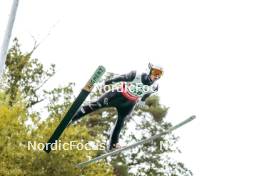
point(154, 77)
point(155, 74)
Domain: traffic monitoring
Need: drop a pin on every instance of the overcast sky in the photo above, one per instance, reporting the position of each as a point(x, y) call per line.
point(212, 53)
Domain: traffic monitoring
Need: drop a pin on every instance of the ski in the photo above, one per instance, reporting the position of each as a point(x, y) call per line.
point(111, 153)
point(74, 107)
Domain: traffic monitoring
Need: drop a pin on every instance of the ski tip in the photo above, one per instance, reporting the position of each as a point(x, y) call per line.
point(193, 117)
point(102, 68)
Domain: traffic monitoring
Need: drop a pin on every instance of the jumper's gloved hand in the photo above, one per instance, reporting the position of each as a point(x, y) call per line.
point(141, 104)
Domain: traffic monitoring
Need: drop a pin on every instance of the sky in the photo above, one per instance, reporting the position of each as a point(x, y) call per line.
point(211, 51)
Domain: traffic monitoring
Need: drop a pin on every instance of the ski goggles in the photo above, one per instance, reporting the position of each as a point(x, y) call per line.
point(156, 72)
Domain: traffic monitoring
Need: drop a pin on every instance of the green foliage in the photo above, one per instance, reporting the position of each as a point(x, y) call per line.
point(12, 139)
point(22, 125)
point(58, 99)
point(18, 158)
point(157, 111)
point(25, 75)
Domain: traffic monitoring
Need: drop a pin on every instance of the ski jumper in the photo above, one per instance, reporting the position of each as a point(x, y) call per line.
point(136, 86)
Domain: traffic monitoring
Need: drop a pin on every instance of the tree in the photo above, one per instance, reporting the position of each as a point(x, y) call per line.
point(21, 123)
point(18, 158)
point(25, 75)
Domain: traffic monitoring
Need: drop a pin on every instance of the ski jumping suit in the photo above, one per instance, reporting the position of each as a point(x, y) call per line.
point(124, 101)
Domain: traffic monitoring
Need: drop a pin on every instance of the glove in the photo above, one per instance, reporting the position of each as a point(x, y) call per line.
point(141, 104)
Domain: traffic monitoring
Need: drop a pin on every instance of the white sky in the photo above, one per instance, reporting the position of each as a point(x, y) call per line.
point(212, 52)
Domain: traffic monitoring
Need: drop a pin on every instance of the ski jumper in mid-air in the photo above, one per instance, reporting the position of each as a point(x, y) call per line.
point(136, 87)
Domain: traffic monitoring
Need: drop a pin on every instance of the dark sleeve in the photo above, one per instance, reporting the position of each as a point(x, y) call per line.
point(125, 77)
point(148, 94)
